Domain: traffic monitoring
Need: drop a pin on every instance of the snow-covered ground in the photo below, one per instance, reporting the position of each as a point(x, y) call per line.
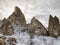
point(23, 38)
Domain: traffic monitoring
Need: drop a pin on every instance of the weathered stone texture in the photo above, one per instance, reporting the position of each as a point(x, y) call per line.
point(53, 27)
point(37, 27)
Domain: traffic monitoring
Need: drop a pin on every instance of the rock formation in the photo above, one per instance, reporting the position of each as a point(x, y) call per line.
point(57, 25)
point(37, 27)
point(9, 41)
point(16, 24)
point(17, 17)
point(7, 28)
point(12, 41)
point(34, 28)
point(53, 26)
point(2, 40)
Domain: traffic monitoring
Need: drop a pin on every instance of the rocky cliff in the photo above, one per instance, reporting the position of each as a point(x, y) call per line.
point(37, 28)
point(17, 17)
point(54, 26)
point(15, 31)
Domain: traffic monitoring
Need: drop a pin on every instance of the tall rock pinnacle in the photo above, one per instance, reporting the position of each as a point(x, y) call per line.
point(53, 26)
point(56, 21)
point(17, 17)
point(37, 27)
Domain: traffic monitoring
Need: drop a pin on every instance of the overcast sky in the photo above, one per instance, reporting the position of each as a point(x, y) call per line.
point(41, 9)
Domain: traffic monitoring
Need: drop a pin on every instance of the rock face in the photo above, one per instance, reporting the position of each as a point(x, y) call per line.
point(17, 17)
point(12, 41)
point(53, 27)
point(37, 27)
point(6, 28)
point(15, 26)
point(2, 40)
point(9, 41)
point(34, 28)
point(57, 24)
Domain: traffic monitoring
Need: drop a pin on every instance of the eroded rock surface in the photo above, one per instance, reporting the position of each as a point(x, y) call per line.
point(17, 17)
point(54, 25)
point(37, 27)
